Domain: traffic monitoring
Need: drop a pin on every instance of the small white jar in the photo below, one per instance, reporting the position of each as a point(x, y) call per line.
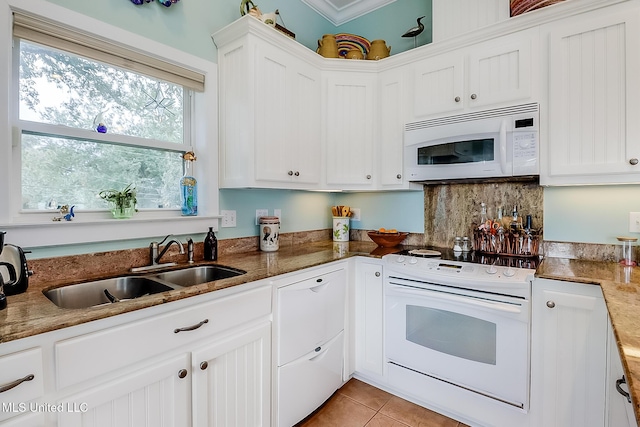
point(269, 233)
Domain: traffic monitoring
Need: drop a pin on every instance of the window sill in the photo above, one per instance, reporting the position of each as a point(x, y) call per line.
point(40, 230)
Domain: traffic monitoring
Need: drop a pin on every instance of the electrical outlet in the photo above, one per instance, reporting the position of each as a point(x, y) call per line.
point(259, 213)
point(634, 222)
point(228, 219)
point(355, 214)
point(278, 213)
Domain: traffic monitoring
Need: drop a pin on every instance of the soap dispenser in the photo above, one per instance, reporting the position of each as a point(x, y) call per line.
point(210, 246)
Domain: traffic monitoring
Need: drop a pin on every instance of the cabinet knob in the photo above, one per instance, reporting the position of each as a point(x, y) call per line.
point(474, 96)
point(368, 176)
point(551, 304)
point(290, 173)
point(399, 176)
point(633, 161)
point(182, 373)
point(377, 274)
point(204, 365)
point(297, 173)
point(457, 99)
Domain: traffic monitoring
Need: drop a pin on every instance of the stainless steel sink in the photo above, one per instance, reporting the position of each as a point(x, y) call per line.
point(90, 294)
point(196, 275)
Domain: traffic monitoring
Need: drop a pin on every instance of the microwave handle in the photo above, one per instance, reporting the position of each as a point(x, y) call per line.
point(503, 146)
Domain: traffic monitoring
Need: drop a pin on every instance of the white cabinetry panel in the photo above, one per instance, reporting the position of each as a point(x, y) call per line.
point(594, 133)
point(454, 17)
point(369, 320)
point(569, 346)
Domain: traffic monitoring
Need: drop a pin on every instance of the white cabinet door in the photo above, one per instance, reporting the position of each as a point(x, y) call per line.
point(391, 87)
point(369, 320)
point(499, 71)
point(569, 346)
point(439, 84)
point(287, 122)
point(155, 395)
point(349, 130)
point(619, 407)
point(594, 99)
point(232, 385)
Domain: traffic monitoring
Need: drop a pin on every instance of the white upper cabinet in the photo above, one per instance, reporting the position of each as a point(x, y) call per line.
point(269, 112)
point(349, 130)
point(497, 71)
point(594, 96)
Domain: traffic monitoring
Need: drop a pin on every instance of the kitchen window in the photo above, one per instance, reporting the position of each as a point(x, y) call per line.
point(90, 121)
point(94, 107)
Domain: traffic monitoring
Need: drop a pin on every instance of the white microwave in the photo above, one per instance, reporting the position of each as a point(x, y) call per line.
point(496, 143)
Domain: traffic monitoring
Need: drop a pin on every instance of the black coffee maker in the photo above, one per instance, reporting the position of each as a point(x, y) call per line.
point(13, 267)
point(12, 275)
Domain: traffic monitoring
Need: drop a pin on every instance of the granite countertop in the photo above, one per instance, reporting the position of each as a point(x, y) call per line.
point(621, 290)
point(31, 313)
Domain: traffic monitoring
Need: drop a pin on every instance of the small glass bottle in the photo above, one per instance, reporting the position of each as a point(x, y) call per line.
point(627, 256)
point(189, 187)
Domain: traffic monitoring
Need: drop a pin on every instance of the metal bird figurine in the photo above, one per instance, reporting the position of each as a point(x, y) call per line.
point(413, 32)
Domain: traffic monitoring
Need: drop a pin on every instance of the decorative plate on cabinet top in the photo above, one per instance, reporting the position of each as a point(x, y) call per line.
point(347, 42)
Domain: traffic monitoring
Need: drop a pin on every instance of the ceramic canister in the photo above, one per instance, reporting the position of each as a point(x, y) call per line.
point(328, 47)
point(379, 50)
point(269, 233)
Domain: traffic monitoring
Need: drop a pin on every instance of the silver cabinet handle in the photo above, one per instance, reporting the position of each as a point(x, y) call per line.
point(16, 383)
point(457, 99)
point(377, 274)
point(290, 173)
point(399, 176)
point(633, 161)
point(474, 96)
point(620, 390)
point(551, 304)
point(204, 365)
point(190, 328)
point(182, 373)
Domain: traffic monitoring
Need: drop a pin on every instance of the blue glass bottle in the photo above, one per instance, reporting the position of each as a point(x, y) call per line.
point(189, 187)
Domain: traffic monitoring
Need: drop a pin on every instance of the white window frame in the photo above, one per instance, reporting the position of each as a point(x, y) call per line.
point(37, 229)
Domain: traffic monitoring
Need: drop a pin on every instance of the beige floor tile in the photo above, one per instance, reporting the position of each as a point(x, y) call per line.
point(383, 421)
point(341, 411)
point(366, 394)
point(414, 415)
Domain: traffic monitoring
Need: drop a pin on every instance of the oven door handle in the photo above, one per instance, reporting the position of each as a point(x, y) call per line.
point(513, 308)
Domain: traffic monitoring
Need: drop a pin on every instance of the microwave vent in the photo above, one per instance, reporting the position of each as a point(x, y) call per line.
point(476, 115)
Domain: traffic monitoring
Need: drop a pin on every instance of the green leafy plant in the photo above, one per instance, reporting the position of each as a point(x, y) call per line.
point(123, 202)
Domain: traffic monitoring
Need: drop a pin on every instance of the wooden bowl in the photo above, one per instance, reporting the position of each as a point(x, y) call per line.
point(387, 240)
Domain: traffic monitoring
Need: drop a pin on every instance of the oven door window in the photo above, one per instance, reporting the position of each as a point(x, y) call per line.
point(471, 151)
point(452, 333)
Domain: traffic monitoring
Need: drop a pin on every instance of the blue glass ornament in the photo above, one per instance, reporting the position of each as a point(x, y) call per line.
point(188, 187)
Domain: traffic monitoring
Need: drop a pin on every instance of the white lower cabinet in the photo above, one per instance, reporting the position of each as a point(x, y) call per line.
point(619, 407)
point(154, 395)
point(231, 379)
point(569, 354)
point(369, 320)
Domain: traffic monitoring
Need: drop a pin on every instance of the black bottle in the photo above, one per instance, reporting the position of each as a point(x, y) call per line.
point(210, 246)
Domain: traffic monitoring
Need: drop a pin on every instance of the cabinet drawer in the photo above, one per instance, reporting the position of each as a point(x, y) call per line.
point(310, 313)
point(21, 376)
point(305, 383)
point(91, 355)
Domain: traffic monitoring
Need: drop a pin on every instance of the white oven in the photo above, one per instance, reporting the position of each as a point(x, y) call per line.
point(465, 325)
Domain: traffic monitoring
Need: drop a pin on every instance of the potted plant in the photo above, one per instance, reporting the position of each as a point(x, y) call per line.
point(122, 203)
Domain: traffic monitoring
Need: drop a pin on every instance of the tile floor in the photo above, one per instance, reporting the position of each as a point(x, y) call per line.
point(358, 404)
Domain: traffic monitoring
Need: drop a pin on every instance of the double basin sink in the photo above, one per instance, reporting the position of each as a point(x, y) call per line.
point(118, 289)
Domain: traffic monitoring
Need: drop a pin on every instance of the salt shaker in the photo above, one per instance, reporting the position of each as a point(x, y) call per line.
point(466, 244)
point(457, 244)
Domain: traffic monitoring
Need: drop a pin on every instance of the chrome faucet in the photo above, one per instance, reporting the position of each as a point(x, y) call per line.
point(155, 246)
